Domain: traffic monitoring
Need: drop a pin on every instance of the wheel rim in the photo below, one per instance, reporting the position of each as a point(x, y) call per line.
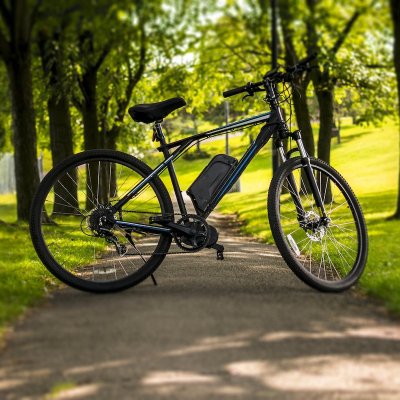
point(329, 253)
point(71, 209)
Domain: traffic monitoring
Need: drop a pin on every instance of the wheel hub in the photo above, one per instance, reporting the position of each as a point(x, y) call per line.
point(101, 219)
point(315, 226)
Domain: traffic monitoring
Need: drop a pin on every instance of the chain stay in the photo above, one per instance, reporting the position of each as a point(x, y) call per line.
point(155, 254)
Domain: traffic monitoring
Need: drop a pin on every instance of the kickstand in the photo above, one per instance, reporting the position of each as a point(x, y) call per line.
point(129, 238)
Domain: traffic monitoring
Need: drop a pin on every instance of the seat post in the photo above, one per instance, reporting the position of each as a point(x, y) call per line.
point(159, 135)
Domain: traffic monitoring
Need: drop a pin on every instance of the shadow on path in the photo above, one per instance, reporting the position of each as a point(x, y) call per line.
point(244, 328)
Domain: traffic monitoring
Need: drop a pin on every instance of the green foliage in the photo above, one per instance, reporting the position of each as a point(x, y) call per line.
point(5, 114)
point(153, 50)
point(372, 175)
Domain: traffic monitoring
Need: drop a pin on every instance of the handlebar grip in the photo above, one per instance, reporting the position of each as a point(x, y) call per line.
point(232, 92)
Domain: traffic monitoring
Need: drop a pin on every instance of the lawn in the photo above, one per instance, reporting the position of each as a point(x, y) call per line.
point(23, 280)
point(367, 158)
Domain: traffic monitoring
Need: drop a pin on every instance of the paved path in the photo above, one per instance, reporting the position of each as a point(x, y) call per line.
point(244, 328)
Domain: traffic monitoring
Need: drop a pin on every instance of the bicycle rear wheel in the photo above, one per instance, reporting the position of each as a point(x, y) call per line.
point(70, 221)
point(327, 256)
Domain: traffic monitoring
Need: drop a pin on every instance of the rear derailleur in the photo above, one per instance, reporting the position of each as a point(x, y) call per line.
point(100, 224)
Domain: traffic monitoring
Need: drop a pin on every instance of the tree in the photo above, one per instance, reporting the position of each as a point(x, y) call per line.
point(120, 78)
point(19, 17)
point(287, 12)
point(323, 76)
point(52, 43)
point(92, 46)
point(323, 79)
point(395, 10)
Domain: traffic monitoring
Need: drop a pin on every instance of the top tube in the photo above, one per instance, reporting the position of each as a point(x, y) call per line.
point(251, 121)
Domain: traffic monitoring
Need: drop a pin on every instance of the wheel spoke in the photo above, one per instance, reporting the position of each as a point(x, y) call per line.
point(90, 247)
point(329, 249)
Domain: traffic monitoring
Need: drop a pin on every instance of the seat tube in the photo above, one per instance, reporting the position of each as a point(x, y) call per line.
point(159, 134)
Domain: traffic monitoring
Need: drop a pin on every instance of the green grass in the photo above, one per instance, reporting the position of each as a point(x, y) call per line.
point(367, 158)
point(23, 279)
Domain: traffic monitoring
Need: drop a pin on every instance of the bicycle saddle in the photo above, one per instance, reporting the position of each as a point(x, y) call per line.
point(155, 111)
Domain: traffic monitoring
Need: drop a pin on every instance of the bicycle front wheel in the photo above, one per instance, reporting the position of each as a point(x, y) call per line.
point(329, 255)
point(72, 218)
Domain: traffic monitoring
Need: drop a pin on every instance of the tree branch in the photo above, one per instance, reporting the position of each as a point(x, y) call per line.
point(77, 103)
point(379, 66)
point(5, 13)
point(103, 113)
point(238, 55)
point(343, 35)
point(33, 16)
point(133, 79)
point(142, 60)
point(102, 56)
point(345, 32)
point(4, 46)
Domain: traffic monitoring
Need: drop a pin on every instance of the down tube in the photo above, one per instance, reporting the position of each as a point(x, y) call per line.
point(262, 139)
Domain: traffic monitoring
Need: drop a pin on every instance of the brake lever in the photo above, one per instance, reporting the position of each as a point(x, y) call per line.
point(248, 95)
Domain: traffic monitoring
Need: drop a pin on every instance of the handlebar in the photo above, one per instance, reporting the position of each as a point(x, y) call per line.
point(233, 92)
point(274, 76)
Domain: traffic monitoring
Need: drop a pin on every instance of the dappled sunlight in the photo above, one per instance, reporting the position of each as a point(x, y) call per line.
point(10, 383)
point(341, 354)
point(214, 343)
point(369, 332)
point(176, 377)
point(321, 373)
point(98, 366)
point(79, 392)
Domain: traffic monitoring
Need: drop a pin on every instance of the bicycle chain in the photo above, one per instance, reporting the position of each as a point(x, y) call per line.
point(155, 254)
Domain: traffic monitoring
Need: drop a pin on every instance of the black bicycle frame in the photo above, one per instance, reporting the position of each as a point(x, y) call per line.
point(270, 119)
point(274, 125)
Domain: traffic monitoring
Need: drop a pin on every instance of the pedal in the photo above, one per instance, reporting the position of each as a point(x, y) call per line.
point(220, 250)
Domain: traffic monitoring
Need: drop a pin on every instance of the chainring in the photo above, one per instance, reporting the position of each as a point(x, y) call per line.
point(199, 239)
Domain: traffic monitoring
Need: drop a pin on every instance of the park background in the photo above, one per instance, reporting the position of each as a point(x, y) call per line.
point(70, 71)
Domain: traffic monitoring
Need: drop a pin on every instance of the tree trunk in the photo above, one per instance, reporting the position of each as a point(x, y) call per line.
point(111, 143)
point(66, 190)
point(24, 129)
point(91, 134)
point(51, 53)
point(303, 118)
point(325, 101)
point(92, 137)
point(196, 131)
point(299, 91)
point(395, 8)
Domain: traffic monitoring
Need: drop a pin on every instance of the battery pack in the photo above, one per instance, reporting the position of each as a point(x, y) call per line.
point(207, 184)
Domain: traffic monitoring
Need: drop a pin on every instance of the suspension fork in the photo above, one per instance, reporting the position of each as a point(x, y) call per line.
point(305, 159)
point(309, 175)
point(292, 184)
